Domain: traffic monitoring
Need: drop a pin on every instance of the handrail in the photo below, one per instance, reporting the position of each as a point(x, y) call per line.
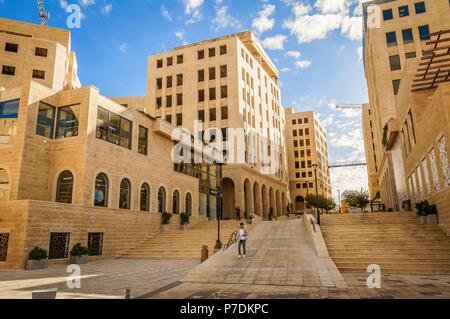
point(231, 240)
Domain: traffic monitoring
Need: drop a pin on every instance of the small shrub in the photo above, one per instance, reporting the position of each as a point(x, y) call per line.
point(423, 208)
point(166, 218)
point(38, 254)
point(78, 250)
point(184, 218)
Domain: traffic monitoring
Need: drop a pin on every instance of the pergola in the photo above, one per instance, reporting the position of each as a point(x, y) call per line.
point(434, 67)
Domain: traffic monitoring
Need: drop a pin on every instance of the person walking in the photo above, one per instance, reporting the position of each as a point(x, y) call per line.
point(242, 238)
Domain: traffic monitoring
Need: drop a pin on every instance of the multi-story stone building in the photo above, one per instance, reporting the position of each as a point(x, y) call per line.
point(228, 83)
point(306, 141)
point(394, 32)
point(78, 167)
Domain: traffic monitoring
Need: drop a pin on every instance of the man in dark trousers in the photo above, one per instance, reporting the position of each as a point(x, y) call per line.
point(238, 213)
point(242, 239)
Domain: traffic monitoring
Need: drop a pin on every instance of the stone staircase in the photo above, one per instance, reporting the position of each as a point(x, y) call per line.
point(397, 242)
point(183, 244)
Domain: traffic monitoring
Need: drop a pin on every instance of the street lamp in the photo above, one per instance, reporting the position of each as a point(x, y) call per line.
point(218, 203)
point(339, 199)
point(315, 166)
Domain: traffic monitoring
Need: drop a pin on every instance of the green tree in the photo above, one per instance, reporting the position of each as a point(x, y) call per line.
point(358, 199)
point(324, 203)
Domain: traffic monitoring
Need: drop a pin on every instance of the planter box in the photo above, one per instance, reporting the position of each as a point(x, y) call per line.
point(184, 227)
point(78, 260)
point(423, 219)
point(164, 227)
point(37, 264)
point(432, 219)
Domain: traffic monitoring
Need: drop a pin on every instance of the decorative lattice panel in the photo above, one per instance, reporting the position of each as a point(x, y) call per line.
point(59, 245)
point(4, 240)
point(95, 244)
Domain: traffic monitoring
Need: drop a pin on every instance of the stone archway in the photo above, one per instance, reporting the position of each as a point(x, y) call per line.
point(278, 203)
point(248, 199)
point(265, 202)
point(257, 200)
point(228, 200)
point(284, 203)
point(299, 203)
point(272, 207)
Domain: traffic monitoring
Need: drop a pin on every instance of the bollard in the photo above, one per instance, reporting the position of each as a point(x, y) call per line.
point(127, 293)
point(205, 253)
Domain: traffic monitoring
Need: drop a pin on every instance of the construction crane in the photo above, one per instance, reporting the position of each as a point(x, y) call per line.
point(347, 164)
point(349, 106)
point(43, 15)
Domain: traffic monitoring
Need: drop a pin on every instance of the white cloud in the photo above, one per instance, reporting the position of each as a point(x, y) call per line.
point(332, 6)
point(308, 28)
point(106, 9)
point(302, 64)
point(352, 28)
point(285, 70)
point(192, 8)
point(123, 48)
point(274, 43)
point(263, 22)
point(360, 53)
point(87, 2)
point(223, 19)
point(294, 54)
point(166, 14)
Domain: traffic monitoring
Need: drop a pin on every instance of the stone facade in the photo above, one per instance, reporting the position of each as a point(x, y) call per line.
point(306, 140)
point(399, 34)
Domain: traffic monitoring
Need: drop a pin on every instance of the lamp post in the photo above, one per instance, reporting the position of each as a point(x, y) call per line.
point(218, 203)
point(315, 166)
point(339, 199)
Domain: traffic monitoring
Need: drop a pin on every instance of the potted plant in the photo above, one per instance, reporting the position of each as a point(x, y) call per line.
point(37, 259)
point(184, 221)
point(432, 217)
point(165, 220)
point(423, 210)
point(78, 255)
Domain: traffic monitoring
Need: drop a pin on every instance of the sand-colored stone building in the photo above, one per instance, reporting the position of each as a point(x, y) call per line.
point(395, 31)
point(306, 141)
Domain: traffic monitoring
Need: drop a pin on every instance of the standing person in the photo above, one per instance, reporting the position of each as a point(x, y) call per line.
point(238, 213)
point(242, 238)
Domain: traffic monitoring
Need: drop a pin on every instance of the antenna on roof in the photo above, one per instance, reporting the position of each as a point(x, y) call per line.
point(43, 15)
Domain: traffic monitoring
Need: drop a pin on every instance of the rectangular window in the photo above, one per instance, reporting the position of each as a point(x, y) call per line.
point(200, 54)
point(11, 47)
point(46, 120)
point(201, 115)
point(396, 86)
point(169, 61)
point(179, 79)
point(212, 115)
point(403, 11)
point(41, 52)
point(143, 141)
point(95, 244)
point(59, 246)
point(224, 112)
point(424, 32)
point(113, 128)
point(410, 55)
point(169, 118)
point(9, 109)
point(159, 64)
point(179, 99)
point(420, 7)
point(4, 242)
point(306, 131)
point(8, 70)
point(180, 59)
point(201, 95)
point(169, 101)
point(169, 82)
point(212, 73)
point(224, 92)
point(391, 38)
point(159, 83)
point(179, 119)
point(212, 52)
point(407, 36)
point(388, 15)
point(223, 49)
point(201, 75)
point(394, 62)
point(39, 74)
point(223, 71)
point(68, 121)
point(159, 102)
point(212, 94)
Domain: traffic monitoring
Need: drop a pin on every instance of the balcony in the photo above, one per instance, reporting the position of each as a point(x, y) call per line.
point(7, 130)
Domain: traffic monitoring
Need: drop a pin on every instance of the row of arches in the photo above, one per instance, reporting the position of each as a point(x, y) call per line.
point(64, 193)
point(259, 200)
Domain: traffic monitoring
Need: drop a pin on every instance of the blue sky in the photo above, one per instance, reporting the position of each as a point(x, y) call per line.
point(315, 43)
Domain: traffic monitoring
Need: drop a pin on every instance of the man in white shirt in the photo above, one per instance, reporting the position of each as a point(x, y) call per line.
point(242, 238)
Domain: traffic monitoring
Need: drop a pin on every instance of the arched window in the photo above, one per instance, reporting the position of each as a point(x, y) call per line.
point(125, 194)
point(161, 200)
point(101, 191)
point(188, 204)
point(145, 198)
point(64, 189)
point(4, 185)
point(176, 202)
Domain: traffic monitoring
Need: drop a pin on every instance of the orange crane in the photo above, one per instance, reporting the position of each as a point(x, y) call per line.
point(43, 15)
